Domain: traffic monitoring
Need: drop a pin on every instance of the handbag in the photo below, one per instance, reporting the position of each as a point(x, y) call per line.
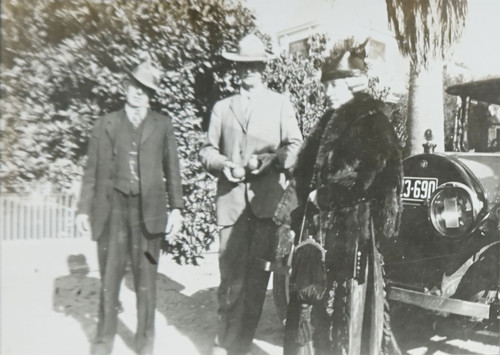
point(308, 277)
point(307, 287)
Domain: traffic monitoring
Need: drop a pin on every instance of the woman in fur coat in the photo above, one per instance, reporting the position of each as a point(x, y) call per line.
point(349, 175)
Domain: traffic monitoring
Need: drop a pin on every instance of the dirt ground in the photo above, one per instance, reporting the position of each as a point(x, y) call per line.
point(45, 310)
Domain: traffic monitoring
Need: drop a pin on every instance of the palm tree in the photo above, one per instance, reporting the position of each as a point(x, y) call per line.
point(426, 31)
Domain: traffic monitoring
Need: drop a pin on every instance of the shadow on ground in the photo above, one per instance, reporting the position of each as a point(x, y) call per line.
point(195, 316)
point(418, 328)
point(77, 295)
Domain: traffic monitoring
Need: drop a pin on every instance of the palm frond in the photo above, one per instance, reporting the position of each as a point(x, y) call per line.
point(427, 29)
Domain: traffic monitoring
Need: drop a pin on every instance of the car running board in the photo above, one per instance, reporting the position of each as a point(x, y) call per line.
point(444, 305)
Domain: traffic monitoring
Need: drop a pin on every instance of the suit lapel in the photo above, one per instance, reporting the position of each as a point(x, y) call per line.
point(237, 109)
point(149, 126)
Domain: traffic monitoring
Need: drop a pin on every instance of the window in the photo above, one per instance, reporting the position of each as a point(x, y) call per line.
point(299, 47)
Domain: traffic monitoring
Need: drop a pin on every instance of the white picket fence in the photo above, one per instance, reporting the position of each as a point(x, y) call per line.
point(37, 217)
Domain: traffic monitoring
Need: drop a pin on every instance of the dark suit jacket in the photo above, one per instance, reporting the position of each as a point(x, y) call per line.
point(158, 168)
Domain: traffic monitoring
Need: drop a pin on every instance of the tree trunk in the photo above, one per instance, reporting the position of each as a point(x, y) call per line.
point(425, 107)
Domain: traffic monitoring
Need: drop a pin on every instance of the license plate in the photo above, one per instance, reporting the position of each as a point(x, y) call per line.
point(418, 189)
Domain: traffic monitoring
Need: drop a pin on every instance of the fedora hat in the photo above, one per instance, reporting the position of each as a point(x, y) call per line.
point(250, 49)
point(350, 62)
point(145, 73)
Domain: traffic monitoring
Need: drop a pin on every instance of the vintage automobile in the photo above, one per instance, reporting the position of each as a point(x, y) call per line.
point(446, 257)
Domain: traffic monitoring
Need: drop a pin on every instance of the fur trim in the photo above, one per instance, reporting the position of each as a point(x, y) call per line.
point(355, 154)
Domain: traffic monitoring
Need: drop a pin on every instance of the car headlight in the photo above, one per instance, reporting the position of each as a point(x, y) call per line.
point(453, 209)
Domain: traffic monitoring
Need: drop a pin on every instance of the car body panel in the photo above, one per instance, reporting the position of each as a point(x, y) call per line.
point(486, 167)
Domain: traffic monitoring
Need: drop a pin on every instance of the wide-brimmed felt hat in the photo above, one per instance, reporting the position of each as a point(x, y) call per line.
point(349, 63)
point(146, 74)
point(250, 49)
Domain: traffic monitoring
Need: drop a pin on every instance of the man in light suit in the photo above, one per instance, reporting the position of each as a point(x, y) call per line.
point(130, 199)
point(253, 137)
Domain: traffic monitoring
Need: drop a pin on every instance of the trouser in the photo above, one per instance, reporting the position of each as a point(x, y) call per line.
point(241, 294)
point(124, 239)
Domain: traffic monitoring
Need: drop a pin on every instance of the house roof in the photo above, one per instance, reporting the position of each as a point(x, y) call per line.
point(487, 90)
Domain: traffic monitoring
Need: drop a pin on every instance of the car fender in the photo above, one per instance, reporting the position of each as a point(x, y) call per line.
point(449, 284)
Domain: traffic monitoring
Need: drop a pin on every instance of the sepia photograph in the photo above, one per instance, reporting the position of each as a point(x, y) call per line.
point(250, 177)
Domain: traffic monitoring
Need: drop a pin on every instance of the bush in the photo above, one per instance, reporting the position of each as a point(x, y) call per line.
point(298, 76)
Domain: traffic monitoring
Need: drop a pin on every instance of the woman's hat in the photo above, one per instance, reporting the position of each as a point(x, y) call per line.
point(145, 73)
point(250, 49)
point(350, 62)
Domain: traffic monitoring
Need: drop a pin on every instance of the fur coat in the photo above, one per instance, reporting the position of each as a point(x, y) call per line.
point(353, 159)
point(353, 155)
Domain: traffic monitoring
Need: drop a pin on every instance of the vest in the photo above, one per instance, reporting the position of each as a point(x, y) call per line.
point(128, 138)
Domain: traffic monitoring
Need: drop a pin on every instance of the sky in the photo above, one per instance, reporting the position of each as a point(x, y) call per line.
point(479, 49)
point(272, 15)
point(480, 45)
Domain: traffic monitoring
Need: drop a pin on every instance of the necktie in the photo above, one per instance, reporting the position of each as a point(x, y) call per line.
point(136, 118)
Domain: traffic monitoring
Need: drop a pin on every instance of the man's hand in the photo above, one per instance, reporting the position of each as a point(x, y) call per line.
point(227, 171)
point(265, 161)
point(82, 223)
point(174, 224)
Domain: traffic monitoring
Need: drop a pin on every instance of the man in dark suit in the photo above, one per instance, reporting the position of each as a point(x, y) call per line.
point(131, 174)
point(253, 137)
